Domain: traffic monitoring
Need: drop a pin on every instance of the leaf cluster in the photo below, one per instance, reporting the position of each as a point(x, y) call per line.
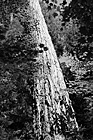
point(81, 12)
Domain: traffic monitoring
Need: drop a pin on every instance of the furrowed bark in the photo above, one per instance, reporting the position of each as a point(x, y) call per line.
point(55, 112)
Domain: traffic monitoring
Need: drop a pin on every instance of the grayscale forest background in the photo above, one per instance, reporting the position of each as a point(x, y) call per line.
point(71, 30)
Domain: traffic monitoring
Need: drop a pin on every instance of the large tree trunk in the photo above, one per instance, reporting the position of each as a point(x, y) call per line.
point(54, 111)
point(53, 115)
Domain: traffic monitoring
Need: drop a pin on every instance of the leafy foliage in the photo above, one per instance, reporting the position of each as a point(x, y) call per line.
point(18, 67)
point(81, 12)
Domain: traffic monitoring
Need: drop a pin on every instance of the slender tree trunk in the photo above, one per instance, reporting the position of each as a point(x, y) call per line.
point(53, 115)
